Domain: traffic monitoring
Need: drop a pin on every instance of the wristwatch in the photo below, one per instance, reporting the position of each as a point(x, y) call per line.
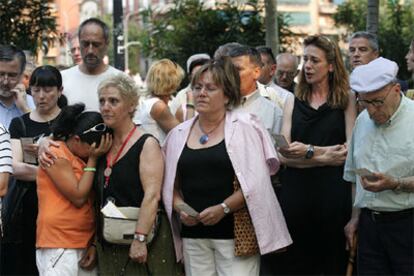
point(309, 152)
point(226, 208)
point(140, 237)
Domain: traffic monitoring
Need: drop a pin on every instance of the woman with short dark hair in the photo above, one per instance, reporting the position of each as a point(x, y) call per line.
point(19, 245)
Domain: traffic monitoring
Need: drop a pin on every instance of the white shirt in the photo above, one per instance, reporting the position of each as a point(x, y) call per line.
point(388, 149)
point(79, 87)
point(282, 93)
point(143, 118)
point(269, 113)
point(179, 100)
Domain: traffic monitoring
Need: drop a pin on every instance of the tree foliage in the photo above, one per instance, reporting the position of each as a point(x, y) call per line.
point(133, 35)
point(189, 28)
point(28, 24)
point(395, 31)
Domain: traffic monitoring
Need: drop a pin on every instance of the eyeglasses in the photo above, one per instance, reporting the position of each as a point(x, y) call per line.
point(289, 75)
point(206, 88)
point(374, 103)
point(10, 76)
point(98, 128)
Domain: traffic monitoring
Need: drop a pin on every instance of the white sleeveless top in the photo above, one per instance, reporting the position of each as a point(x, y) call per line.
point(143, 118)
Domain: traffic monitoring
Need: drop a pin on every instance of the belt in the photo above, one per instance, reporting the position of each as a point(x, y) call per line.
point(388, 216)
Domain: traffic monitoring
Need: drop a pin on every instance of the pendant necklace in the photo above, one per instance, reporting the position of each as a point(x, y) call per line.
point(204, 138)
point(108, 169)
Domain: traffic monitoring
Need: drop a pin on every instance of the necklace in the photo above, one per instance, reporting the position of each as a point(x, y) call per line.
point(108, 169)
point(204, 138)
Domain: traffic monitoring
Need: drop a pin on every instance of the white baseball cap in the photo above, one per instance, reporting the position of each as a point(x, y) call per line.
point(373, 76)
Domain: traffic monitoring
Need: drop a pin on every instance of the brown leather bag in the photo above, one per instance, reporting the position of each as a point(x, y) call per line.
point(245, 241)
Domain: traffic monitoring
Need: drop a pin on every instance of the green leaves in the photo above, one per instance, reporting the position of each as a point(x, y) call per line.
point(189, 28)
point(28, 24)
point(396, 25)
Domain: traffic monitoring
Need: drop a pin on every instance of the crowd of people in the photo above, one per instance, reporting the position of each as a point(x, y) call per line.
point(257, 167)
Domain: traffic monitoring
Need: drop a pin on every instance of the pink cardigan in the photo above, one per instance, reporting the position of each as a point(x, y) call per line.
point(254, 159)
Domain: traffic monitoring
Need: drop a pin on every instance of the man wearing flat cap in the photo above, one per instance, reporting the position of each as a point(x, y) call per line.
point(381, 162)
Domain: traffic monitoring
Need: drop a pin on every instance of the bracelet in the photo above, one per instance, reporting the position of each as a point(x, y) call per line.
point(189, 105)
point(89, 169)
point(140, 233)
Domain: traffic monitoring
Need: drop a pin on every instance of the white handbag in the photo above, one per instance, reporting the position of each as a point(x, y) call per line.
point(118, 230)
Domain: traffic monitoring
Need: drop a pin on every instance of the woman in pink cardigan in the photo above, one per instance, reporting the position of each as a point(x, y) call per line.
point(203, 157)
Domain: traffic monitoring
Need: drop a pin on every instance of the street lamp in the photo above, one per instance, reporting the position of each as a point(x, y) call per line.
point(126, 43)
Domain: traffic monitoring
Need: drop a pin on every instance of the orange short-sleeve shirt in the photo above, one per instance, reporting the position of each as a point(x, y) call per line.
point(59, 223)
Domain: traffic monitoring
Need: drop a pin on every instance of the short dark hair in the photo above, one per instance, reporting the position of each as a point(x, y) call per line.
point(267, 51)
point(9, 52)
point(74, 120)
point(48, 75)
point(225, 75)
point(251, 52)
point(96, 21)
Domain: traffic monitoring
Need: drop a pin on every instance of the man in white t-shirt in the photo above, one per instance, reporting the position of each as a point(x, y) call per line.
point(80, 82)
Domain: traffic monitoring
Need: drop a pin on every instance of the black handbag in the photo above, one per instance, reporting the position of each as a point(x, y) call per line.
point(12, 211)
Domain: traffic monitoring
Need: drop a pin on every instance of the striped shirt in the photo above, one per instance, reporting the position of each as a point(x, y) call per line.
point(5, 151)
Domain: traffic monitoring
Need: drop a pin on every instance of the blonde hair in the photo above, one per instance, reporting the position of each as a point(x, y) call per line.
point(338, 79)
point(164, 77)
point(126, 87)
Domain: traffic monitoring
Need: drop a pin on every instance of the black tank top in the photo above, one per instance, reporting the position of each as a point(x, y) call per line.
point(206, 179)
point(125, 183)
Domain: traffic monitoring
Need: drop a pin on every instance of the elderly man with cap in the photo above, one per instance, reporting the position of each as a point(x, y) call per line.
point(380, 161)
point(182, 106)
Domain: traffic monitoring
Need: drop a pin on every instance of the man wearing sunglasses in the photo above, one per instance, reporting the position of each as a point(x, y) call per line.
point(14, 101)
point(380, 161)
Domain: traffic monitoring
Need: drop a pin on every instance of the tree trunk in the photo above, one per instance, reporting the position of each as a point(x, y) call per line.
point(272, 30)
point(372, 16)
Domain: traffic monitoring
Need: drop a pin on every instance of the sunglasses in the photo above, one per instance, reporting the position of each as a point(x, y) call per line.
point(98, 128)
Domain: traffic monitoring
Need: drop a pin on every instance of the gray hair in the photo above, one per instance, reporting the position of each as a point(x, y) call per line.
point(372, 39)
point(225, 49)
point(126, 87)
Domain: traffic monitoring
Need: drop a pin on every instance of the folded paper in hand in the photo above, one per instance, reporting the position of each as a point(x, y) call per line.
point(110, 210)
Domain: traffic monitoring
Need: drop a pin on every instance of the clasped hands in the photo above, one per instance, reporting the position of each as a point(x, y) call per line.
point(209, 216)
point(334, 155)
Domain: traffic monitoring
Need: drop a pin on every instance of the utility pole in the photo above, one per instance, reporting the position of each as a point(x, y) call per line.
point(372, 16)
point(118, 36)
point(126, 42)
point(272, 29)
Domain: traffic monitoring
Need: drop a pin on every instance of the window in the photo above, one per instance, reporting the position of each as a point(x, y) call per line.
point(298, 18)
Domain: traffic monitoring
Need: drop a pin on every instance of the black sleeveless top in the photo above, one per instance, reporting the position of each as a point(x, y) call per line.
point(206, 179)
point(124, 182)
point(319, 191)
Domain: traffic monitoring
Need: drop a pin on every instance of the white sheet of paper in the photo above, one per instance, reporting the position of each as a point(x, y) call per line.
point(110, 210)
